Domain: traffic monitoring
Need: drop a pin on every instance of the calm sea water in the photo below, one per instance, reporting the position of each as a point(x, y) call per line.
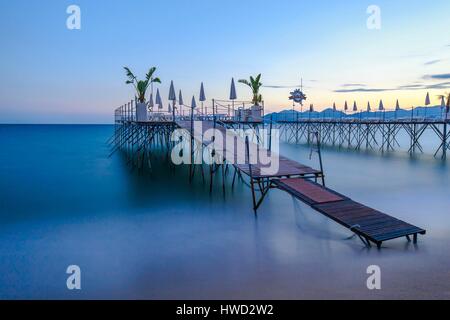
point(63, 201)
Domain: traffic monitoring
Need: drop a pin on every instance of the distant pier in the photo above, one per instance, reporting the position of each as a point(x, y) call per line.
point(369, 134)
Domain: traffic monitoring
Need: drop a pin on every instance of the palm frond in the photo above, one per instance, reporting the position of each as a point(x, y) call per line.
point(150, 73)
point(258, 78)
point(245, 82)
point(129, 74)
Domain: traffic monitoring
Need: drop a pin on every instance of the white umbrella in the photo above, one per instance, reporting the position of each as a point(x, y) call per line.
point(442, 105)
point(427, 102)
point(150, 101)
point(172, 97)
point(158, 100)
point(169, 108)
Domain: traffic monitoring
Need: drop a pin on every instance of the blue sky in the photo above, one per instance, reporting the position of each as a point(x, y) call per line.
point(54, 75)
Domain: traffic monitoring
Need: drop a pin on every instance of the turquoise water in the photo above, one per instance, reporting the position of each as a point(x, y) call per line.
point(63, 201)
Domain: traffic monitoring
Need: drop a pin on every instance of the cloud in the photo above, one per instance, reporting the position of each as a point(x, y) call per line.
point(408, 87)
point(443, 76)
point(353, 85)
point(284, 87)
point(414, 86)
point(442, 85)
point(429, 63)
point(361, 90)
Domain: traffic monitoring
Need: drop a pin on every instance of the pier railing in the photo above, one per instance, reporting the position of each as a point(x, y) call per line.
point(218, 110)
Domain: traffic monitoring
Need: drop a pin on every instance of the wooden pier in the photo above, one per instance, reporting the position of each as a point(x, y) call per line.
point(138, 138)
point(369, 134)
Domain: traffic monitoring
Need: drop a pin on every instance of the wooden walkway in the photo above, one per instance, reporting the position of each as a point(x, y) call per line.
point(369, 224)
point(287, 167)
point(294, 178)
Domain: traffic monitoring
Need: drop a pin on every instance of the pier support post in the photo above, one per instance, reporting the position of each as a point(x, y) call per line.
point(445, 146)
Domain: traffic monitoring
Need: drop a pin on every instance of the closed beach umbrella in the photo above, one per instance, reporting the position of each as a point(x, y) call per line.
point(427, 99)
point(180, 99)
point(334, 106)
point(150, 101)
point(355, 107)
point(397, 106)
point(233, 95)
point(381, 106)
point(172, 96)
point(427, 102)
point(169, 108)
point(202, 93)
point(193, 103)
point(443, 106)
point(311, 108)
point(158, 100)
point(345, 106)
point(448, 105)
point(202, 96)
point(368, 107)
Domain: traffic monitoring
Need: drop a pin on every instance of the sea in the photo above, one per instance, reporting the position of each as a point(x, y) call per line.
point(65, 201)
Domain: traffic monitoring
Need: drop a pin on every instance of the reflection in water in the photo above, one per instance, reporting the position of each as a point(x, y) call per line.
point(155, 235)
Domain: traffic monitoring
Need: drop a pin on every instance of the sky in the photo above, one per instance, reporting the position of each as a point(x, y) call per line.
point(50, 74)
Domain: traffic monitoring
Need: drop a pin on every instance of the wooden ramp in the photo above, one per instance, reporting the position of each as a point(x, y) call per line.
point(369, 224)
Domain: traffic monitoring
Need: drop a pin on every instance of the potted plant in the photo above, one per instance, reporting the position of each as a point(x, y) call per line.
point(141, 87)
point(255, 84)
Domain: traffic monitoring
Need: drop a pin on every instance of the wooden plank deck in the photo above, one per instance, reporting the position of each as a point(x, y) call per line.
point(287, 167)
point(366, 222)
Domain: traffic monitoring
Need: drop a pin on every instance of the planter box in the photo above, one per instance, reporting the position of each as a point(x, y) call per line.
point(141, 112)
point(256, 113)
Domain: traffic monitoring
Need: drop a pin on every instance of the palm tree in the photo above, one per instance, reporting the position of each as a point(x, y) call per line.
point(255, 85)
point(141, 86)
